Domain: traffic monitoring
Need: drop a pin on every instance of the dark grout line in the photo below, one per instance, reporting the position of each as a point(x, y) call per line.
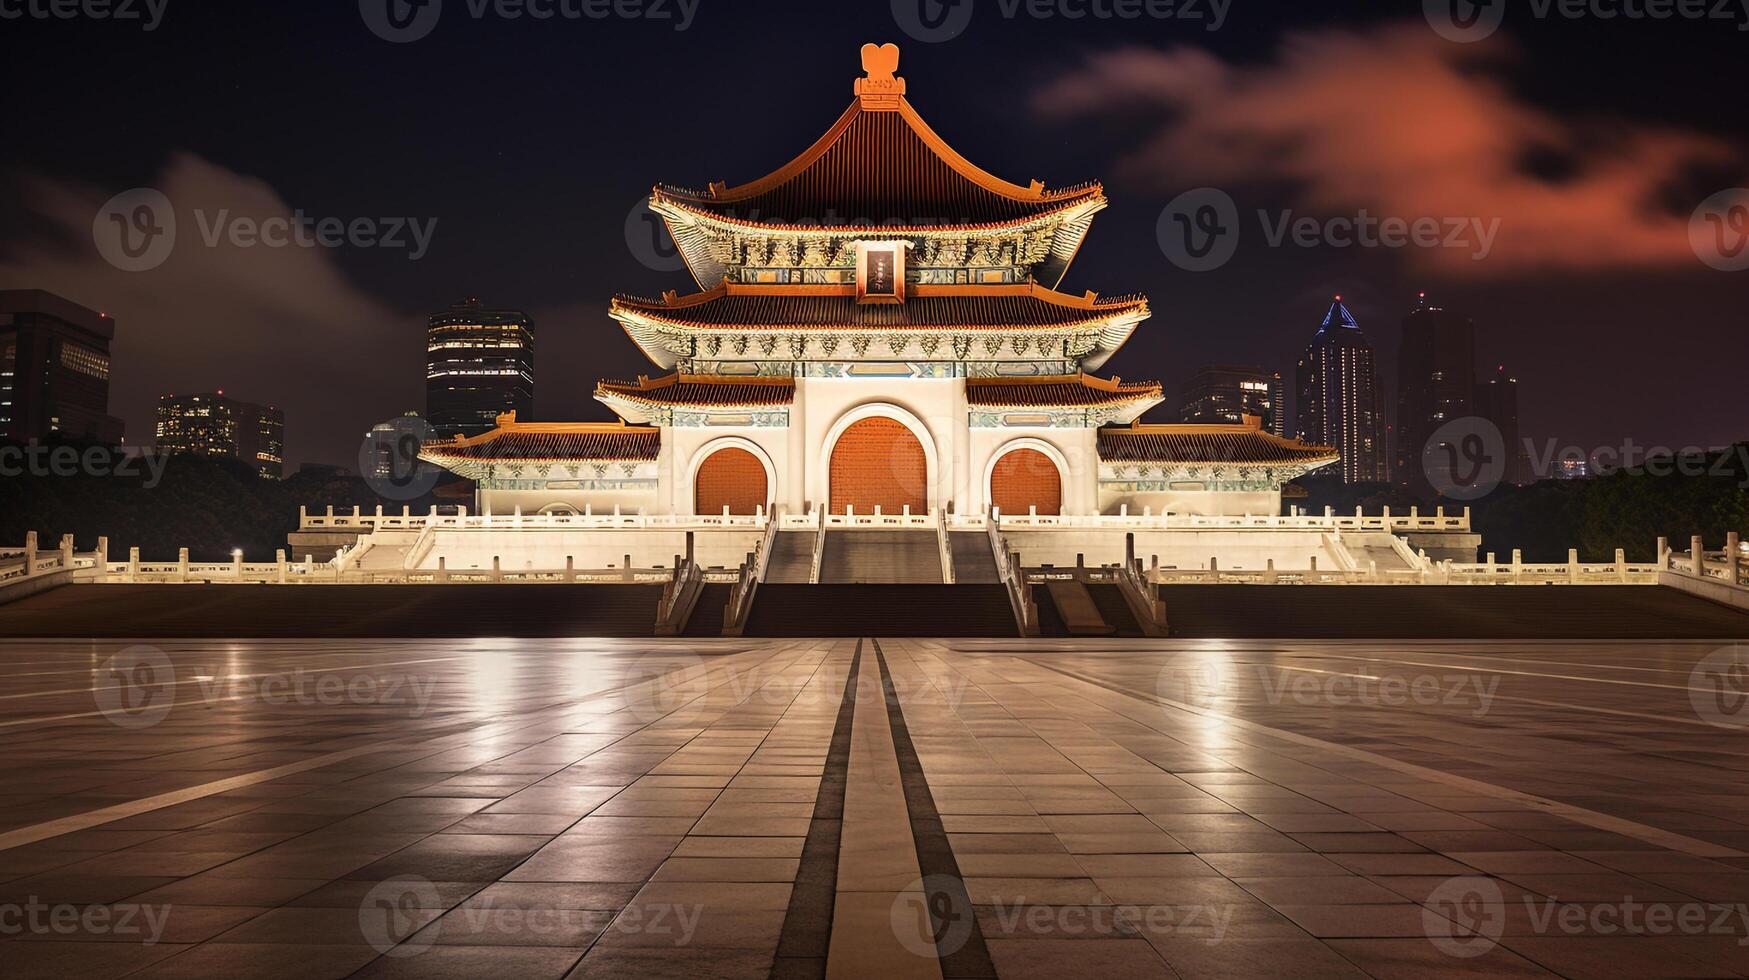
point(807, 924)
point(958, 939)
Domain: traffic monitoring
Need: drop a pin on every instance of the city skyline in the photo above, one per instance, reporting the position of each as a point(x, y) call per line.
point(541, 219)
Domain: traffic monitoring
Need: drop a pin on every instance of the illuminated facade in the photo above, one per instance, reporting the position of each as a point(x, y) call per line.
point(212, 424)
point(878, 324)
point(54, 369)
point(479, 364)
point(1340, 401)
point(1223, 394)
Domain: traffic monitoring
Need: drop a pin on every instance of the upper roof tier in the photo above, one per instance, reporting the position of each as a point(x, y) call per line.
point(879, 169)
point(1022, 321)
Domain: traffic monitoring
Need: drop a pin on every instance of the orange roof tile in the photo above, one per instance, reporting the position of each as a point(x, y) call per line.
point(1205, 444)
point(703, 390)
point(1071, 390)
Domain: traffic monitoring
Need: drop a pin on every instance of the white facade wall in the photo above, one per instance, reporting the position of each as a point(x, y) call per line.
point(1203, 503)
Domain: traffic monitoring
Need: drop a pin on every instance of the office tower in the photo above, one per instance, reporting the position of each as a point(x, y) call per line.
point(479, 364)
point(1225, 393)
point(211, 424)
point(1436, 383)
point(54, 369)
point(1340, 404)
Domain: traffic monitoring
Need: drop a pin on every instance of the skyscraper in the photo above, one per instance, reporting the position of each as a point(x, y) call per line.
point(211, 424)
point(1496, 400)
point(479, 364)
point(54, 369)
point(1224, 394)
point(1436, 382)
point(1340, 403)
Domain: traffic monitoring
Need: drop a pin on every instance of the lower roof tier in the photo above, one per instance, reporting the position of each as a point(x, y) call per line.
point(1245, 444)
point(824, 322)
point(533, 442)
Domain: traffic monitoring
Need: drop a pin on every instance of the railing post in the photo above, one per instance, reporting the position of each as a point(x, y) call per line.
point(1697, 556)
point(182, 564)
point(236, 564)
point(303, 515)
point(279, 565)
point(442, 568)
point(1572, 566)
point(29, 553)
point(497, 570)
point(133, 564)
point(1517, 565)
point(1663, 554)
point(1269, 571)
point(627, 571)
point(1372, 569)
point(1621, 565)
point(689, 551)
point(1733, 551)
point(570, 568)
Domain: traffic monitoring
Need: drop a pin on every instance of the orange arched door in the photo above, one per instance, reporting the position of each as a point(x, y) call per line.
point(878, 462)
point(730, 477)
point(1026, 478)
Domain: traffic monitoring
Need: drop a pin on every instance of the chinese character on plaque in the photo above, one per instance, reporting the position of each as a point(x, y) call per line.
point(880, 272)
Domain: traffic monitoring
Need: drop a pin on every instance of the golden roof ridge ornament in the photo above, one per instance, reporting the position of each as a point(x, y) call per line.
point(880, 89)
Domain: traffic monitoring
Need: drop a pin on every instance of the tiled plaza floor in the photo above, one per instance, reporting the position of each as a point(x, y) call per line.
point(796, 808)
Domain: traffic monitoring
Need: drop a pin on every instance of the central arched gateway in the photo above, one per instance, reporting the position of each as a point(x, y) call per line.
point(878, 461)
point(730, 477)
point(1023, 479)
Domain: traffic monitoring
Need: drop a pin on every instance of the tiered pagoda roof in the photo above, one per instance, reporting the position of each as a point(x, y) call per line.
point(1101, 400)
point(666, 328)
point(880, 165)
point(544, 442)
point(646, 398)
point(1204, 445)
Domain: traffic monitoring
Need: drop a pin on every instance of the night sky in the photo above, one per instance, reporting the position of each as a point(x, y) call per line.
point(530, 141)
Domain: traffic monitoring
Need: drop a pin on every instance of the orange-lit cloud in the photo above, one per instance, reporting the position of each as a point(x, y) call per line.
point(1403, 124)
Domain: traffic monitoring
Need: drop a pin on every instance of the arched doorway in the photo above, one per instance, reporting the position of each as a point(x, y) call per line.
point(878, 461)
point(731, 477)
point(1024, 479)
